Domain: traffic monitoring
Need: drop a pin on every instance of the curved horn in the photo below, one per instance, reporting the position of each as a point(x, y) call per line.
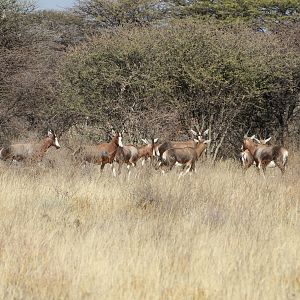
point(267, 140)
point(193, 132)
point(205, 132)
point(246, 135)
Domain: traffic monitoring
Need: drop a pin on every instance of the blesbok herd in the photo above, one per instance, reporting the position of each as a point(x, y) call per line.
point(164, 155)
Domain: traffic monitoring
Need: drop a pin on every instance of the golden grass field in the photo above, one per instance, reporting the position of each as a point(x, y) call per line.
point(73, 233)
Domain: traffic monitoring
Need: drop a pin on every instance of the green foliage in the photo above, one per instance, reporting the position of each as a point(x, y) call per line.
point(111, 13)
point(14, 22)
point(190, 66)
point(248, 9)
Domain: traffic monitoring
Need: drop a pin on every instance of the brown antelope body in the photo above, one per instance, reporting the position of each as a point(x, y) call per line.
point(186, 157)
point(147, 151)
point(263, 155)
point(30, 152)
point(127, 154)
point(247, 159)
point(180, 144)
point(101, 154)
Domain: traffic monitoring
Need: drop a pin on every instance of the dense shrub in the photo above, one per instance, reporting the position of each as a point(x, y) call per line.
point(232, 79)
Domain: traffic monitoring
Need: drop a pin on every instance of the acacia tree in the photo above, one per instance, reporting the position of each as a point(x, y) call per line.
point(221, 77)
point(113, 13)
point(31, 46)
point(242, 9)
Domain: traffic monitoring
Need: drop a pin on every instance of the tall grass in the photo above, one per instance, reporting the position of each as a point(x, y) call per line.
point(73, 233)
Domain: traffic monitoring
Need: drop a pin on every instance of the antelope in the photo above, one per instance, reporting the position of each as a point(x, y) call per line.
point(33, 152)
point(103, 153)
point(180, 144)
point(147, 151)
point(184, 156)
point(127, 154)
point(263, 155)
point(247, 159)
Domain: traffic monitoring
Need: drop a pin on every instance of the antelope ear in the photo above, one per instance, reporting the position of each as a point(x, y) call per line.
point(268, 139)
point(252, 137)
point(155, 140)
point(193, 132)
point(196, 141)
point(145, 141)
point(50, 132)
point(206, 141)
point(113, 132)
point(257, 140)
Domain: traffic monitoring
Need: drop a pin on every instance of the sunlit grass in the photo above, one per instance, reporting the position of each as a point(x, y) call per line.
point(74, 233)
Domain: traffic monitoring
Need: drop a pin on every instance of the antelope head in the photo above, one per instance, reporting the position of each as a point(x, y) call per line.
point(199, 134)
point(117, 137)
point(54, 141)
point(247, 141)
point(197, 141)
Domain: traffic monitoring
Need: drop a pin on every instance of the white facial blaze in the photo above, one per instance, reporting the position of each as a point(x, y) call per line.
point(120, 141)
point(157, 152)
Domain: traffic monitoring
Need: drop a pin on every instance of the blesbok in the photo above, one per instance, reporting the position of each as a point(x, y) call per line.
point(29, 152)
point(147, 151)
point(263, 155)
point(247, 159)
point(181, 144)
point(129, 154)
point(185, 157)
point(101, 154)
point(126, 155)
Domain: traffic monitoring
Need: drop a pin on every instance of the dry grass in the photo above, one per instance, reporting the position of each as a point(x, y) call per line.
point(70, 233)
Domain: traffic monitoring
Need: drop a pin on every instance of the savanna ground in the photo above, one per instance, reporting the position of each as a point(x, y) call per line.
point(73, 233)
